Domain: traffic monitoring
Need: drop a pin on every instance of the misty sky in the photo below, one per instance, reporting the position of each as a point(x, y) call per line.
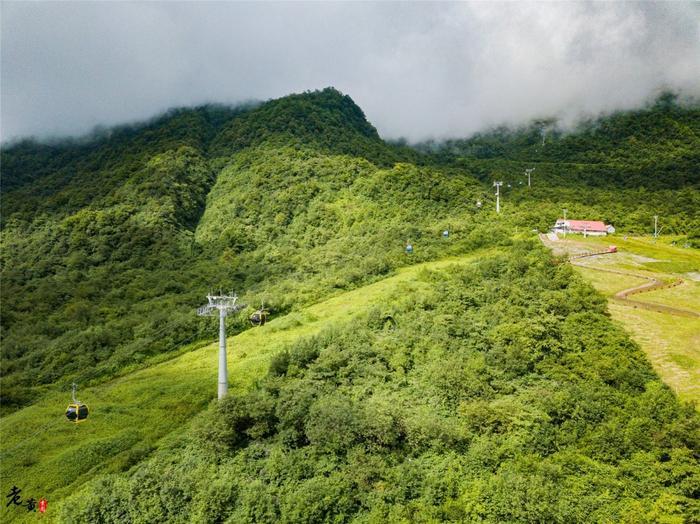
point(418, 70)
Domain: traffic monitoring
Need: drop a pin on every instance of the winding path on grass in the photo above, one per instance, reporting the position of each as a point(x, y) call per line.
point(653, 284)
point(622, 297)
point(668, 338)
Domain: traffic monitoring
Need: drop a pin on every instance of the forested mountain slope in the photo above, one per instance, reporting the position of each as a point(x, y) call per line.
point(622, 168)
point(662, 134)
point(504, 393)
point(91, 249)
point(502, 387)
point(104, 255)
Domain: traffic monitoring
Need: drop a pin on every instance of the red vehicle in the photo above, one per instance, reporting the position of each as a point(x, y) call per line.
point(612, 249)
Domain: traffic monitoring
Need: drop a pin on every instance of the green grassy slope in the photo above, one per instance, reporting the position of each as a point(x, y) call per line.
point(672, 343)
point(108, 244)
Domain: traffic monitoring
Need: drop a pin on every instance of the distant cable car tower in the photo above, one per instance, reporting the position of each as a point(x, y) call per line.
point(225, 304)
point(498, 185)
point(529, 172)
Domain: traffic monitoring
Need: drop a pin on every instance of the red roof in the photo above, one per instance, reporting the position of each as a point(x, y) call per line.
point(587, 225)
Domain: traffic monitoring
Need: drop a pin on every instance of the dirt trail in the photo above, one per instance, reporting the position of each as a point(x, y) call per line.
point(622, 297)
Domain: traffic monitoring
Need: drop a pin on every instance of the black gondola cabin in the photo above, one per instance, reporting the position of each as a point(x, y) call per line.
point(77, 412)
point(258, 318)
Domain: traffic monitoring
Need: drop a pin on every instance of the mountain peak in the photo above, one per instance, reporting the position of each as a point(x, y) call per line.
point(324, 117)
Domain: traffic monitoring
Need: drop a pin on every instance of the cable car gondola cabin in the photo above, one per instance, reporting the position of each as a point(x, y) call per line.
point(258, 318)
point(76, 410)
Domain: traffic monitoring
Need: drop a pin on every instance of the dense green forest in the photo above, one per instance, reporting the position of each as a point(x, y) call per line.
point(105, 260)
point(503, 393)
point(654, 147)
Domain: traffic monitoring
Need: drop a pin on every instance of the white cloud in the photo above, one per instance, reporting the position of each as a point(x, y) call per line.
point(417, 69)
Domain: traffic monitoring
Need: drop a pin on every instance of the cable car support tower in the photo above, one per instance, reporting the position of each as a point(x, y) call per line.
point(498, 185)
point(224, 304)
point(528, 172)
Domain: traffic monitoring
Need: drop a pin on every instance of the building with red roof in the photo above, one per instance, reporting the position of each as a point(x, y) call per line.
point(584, 227)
